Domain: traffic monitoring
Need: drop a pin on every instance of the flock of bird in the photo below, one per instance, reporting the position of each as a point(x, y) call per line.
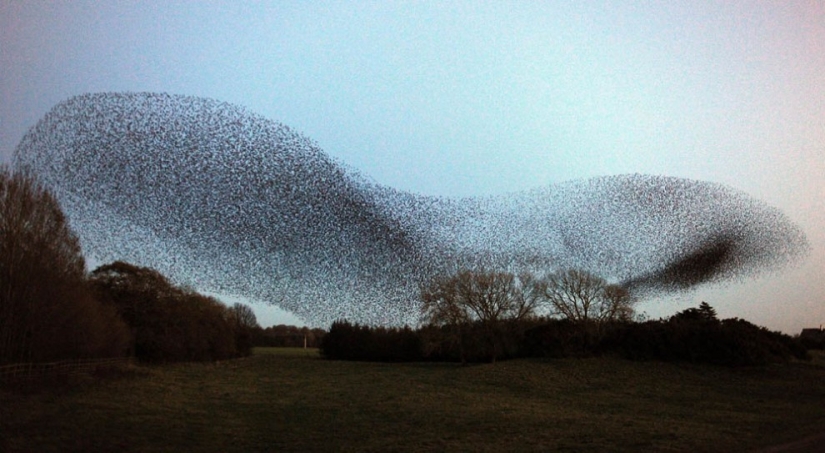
point(226, 201)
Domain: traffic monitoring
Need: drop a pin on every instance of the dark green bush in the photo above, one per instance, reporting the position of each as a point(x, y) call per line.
point(283, 336)
point(562, 338)
point(694, 335)
point(346, 341)
point(731, 342)
point(168, 324)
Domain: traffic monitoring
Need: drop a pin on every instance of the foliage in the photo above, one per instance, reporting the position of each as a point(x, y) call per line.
point(558, 338)
point(346, 341)
point(812, 338)
point(704, 313)
point(440, 344)
point(283, 336)
point(694, 335)
point(46, 310)
point(169, 323)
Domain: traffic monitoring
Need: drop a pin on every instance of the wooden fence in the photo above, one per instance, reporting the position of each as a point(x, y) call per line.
point(25, 371)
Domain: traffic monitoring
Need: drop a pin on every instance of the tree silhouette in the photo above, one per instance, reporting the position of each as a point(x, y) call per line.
point(583, 297)
point(46, 311)
point(243, 316)
point(707, 312)
point(704, 313)
point(245, 324)
point(168, 323)
point(488, 298)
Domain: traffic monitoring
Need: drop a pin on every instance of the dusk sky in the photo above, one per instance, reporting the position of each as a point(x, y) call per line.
point(471, 98)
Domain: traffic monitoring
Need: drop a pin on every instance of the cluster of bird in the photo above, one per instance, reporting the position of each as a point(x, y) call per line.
point(226, 201)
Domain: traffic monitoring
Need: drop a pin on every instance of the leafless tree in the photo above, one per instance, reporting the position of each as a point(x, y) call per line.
point(489, 298)
point(583, 297)
point(243, 316)
point(245, 324)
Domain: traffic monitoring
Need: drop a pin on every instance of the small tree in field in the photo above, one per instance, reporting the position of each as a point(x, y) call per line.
point(245, 324)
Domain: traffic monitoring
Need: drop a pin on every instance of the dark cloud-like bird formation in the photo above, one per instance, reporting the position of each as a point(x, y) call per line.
point(227, 201)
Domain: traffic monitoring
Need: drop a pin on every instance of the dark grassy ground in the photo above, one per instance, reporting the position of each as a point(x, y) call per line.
point(289, 400)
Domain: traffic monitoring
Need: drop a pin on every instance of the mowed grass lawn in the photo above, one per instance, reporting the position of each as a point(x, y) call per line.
point(290, 400)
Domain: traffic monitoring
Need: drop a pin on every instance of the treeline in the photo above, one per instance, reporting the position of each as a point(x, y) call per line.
point(813, 339)
point(694, 335)
point(168, 323)
point(283, 336)
point(682, 337)
point(51, 309)
point(346, 341)
point(47, 311)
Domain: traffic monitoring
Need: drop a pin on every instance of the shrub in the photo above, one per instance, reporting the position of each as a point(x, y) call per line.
point(346, 341)
point(284, 336)
point(731, 342)
point(559, 338)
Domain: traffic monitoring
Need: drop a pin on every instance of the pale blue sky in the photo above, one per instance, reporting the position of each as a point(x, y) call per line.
point(472, 98)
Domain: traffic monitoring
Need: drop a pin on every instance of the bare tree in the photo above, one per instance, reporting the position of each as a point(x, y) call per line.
point(243, 316)
point(488, 298)
point(245, 324)
point(583, 297)
point(479, 296)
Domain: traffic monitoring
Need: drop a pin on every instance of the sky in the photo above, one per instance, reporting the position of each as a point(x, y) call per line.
point(475, 98)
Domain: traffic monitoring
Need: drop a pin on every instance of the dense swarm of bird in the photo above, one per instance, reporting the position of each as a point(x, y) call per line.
point(227, 201)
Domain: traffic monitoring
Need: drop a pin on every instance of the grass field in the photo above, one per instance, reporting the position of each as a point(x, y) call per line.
point(290, 400)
